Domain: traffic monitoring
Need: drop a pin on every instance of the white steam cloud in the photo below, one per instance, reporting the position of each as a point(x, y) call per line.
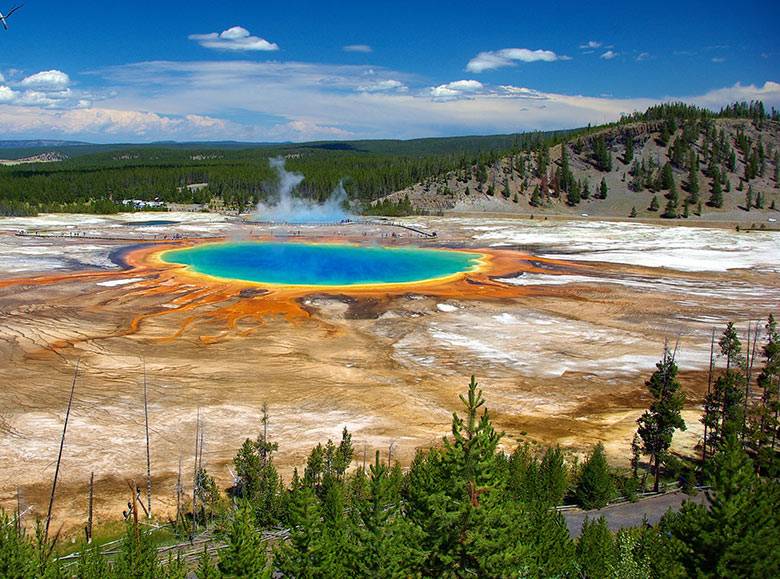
point(285, 208)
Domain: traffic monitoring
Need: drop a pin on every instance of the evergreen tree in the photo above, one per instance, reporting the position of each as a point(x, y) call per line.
point(766, 423)
point(206, 568)
point(603, 189)
point(602, 156)
point(595, 488)
point(244, 555)
point(309, 551)
point(17, 553)
point(653, 204)
point(633, 212)
point(716, 192)
point(749, 198)
point(673, 200)
point(628, 156)
point(137, 557)
point(693, 173)
point(738, 534)
point(92, 564)
point(723, 406)
point(666, 179)
point(553, 477)
point(536, 197)
point(596, 553)
point(658, 423)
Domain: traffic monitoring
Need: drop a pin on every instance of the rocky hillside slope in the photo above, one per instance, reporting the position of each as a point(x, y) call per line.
point(694, 169)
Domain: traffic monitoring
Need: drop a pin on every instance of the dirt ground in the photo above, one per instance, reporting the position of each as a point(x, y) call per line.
point(560, 363)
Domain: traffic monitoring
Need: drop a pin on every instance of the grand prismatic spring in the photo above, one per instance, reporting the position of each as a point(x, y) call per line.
point(323, 264)
point(356, 324)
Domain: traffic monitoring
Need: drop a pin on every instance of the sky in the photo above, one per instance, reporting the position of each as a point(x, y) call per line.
point(297, 71)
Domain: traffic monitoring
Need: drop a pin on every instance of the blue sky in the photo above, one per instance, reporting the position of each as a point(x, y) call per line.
point(140, 71)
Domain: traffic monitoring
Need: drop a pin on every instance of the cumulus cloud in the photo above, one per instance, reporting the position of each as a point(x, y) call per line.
point(103, 123)
point(236, 39)
point(642, 56)
point(591, 44)
point(7, 94)
point(384, 86)
point(48, 80)
point(456, 88)
point(522, 92)
point(609, 55)
point(303, 101)
point(357, 48)
point(491, 60)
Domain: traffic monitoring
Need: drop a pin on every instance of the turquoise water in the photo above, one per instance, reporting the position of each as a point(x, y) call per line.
point(320, 264)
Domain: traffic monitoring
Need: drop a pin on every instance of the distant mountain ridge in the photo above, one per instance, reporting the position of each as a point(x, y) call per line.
point(38, 143)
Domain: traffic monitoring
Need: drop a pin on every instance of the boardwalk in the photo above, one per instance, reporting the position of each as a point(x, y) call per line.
point(624, 515)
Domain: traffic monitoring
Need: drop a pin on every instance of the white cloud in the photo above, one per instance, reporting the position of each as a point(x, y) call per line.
point(384, 86)
point(456, 88)
point(642, 56)
point(718, 59)
point(302, 101)
point(48, 80)
point(2, 78)
point(103, 123)
point(236, 39)
point(523, 92)
point(7, 95)
point(491, 60)
point(309, 130)
point(609, 55)
point(357, 48)
point(591, 44)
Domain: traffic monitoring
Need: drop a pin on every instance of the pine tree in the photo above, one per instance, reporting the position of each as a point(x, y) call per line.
point(595, 488)
point(536, 197)
point(716, 195)
point(693, 173)
point(767, 425)
point(206, 568)
point(666, 178)
point(596, 552)
point(673, 200)
point(653, 204)
point(553, 477)
point(658, 423)
point(244, 555)
point(633, 212)
point(749, 198)
point(92, 564)
point(603, 189)
point(628, 156)
point(137, 557)
point(738, 533)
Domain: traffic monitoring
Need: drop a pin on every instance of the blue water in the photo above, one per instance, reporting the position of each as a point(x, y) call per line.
point(320, 264)
point(151, 223)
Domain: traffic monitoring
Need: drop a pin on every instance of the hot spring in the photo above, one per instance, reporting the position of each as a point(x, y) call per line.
point(321, 264)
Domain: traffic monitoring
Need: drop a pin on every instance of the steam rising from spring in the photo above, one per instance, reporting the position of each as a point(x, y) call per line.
point(288, 209)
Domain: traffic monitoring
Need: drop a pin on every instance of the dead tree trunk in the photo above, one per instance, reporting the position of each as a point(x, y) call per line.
point(148, 452)
point(59, 454)
point(90, 504)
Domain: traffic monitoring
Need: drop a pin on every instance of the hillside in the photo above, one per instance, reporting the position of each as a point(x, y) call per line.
point(638, 160)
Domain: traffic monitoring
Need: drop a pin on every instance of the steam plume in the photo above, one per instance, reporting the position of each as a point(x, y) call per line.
point(288, 209)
